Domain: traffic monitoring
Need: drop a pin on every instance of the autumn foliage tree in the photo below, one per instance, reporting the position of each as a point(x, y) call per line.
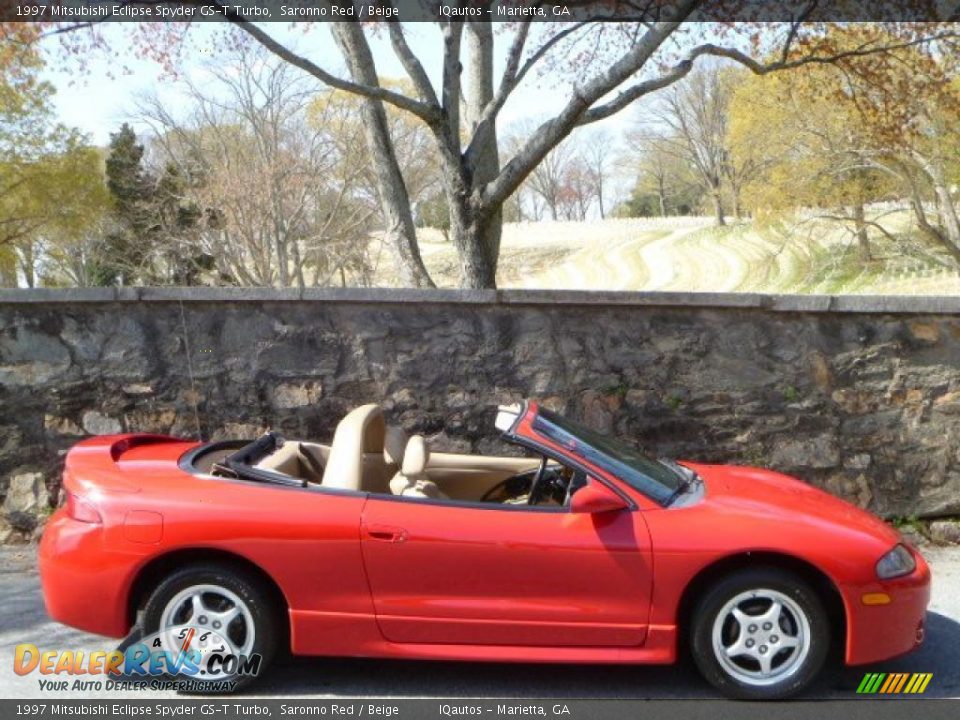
point(829, 143)
point(51, 180)
point(809, 151)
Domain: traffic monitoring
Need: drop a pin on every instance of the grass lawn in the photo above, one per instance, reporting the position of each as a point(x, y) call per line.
point(688, 254)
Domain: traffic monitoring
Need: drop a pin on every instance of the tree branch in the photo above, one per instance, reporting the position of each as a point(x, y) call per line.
point(411, 63)
point(600, 112)
point(846, 219)
point(682, 68)
point(452, 34)
point(424, 111)
point(512, 76)
point(550, 133)
point(760, 68)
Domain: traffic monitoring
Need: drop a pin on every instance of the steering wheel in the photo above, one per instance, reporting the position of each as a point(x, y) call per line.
point(507, 490)
point(535, 490)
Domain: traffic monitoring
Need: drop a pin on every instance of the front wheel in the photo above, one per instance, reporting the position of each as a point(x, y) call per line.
point(760, 634)
point(223, 617)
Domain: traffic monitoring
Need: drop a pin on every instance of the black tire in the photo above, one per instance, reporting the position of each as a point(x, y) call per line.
point(741, 676)
point(250, 591)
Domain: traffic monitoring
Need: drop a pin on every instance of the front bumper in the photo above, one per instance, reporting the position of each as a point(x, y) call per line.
point(880, 632)
point(83, 585)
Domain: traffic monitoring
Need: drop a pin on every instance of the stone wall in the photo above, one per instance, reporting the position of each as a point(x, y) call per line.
point(857, 395)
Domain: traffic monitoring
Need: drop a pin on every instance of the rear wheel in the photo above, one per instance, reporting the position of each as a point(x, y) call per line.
point(760, 634)
point(216, 613)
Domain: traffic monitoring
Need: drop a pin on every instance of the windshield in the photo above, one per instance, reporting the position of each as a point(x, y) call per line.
point(651, 477)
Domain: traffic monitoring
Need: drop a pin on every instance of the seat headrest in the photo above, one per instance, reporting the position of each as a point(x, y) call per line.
point(395, 445)
point(415, 456)
point(359, 433)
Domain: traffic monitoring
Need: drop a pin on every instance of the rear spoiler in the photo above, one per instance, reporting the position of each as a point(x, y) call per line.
point(93, 462)
point(128, 442)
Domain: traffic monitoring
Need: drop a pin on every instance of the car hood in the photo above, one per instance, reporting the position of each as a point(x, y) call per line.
point(755, 491)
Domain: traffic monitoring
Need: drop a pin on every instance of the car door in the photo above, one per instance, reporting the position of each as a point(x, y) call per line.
point(466, 573)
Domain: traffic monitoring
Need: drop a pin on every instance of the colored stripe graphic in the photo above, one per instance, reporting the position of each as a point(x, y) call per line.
point(918, 683)
point(894, 683)
point(870, 683)
point(891, 680)
point(903, 681)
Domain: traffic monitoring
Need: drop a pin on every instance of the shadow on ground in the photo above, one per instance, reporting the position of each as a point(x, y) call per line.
point(940, 655)
point(23, 619)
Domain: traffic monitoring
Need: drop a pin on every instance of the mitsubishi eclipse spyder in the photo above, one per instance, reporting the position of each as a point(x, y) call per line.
point(375, 545)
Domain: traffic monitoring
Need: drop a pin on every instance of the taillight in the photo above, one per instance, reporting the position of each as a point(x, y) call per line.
point(82, 510)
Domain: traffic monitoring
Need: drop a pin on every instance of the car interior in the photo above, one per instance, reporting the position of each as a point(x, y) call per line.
point(367, 455)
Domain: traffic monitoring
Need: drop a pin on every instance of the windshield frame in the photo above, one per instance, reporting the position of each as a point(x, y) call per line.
point(648, 476)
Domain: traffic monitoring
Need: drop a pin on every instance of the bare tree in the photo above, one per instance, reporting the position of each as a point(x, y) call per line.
point(690, 123)
point(280, 197)
point(340, 115)
point(597, 155)
point(580, 189)
point(548, 178)
point(659, 172)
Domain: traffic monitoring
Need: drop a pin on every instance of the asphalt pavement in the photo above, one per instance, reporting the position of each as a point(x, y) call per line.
point(23, 620)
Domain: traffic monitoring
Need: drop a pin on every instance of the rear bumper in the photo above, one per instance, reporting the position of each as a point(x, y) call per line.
point(83, 585)
point(881, 632)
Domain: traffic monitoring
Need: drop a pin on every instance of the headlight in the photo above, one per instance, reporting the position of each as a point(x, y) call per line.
point(895, 563)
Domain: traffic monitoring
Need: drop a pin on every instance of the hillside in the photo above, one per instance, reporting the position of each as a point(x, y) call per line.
point(688, 254)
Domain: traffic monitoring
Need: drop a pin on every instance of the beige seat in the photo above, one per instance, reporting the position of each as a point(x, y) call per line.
point(412, 480)
point(394, 445)
point(362, 431)
point(292, 459)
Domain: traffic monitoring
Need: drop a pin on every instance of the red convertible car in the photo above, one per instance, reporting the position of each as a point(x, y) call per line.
point(587, 551)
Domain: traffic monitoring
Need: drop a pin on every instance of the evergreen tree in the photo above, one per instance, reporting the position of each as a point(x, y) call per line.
point(127, 246)
point(180, 220)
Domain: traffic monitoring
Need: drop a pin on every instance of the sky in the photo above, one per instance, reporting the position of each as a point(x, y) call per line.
point(100, 99)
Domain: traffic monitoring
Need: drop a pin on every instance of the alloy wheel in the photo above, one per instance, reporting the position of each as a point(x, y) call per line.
point(761, 637)
point(219, 618)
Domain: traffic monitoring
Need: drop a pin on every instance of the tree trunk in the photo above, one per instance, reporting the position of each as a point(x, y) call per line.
point(948, 211)
point(298, 264)
point(283, 262)
point(469, 229)
point(399, 230)
point(27, 262)
point(719, 219)
point(8, 271)
point(483, 165)
point(934, 233)
point(860, 227)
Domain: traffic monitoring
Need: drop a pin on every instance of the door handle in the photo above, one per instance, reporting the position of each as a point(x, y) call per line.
point(386, 533)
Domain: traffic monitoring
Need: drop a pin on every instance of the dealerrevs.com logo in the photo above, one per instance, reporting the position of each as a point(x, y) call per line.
point(181, 658)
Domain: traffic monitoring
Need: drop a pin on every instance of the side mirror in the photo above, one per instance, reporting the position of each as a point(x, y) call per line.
point(595, 497)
